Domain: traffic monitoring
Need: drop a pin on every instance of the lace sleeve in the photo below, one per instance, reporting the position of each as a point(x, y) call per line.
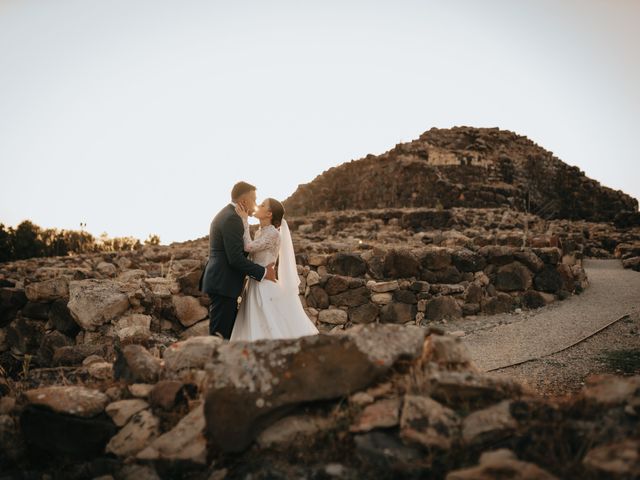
point(246, 235)
point(267, 238)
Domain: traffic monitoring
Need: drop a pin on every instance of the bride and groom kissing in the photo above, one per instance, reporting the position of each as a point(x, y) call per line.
point(249, 299)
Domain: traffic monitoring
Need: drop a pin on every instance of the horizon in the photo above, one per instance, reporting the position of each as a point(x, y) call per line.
point(137, 118)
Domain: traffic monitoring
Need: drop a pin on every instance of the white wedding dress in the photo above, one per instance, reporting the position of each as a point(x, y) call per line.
point(271, 309)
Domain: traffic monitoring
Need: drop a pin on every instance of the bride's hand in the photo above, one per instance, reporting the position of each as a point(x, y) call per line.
point(240, 210)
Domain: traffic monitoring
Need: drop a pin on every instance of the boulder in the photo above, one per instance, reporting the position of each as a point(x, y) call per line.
point(48, 290)
point(292, 429)
point(185, 442)
point(351, 298)
point(348, 264)
point(11, 301)
point(61, 318)
point(428, 423)
point(384, 413)
point(513, 277)
point(140, 430)
point(334, 316)
point(398, 313)
point(616, 460)
point(444, 307)
point(122, 410)
point(188, 309)
point(489, 425)
point(466, 260)
point(367, 313)
point(252, 384)
point(135, 364)
point(93, 303)
point(193, 352)
point(401, 263)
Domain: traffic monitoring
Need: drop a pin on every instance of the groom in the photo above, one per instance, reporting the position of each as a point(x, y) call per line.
point(223, 277)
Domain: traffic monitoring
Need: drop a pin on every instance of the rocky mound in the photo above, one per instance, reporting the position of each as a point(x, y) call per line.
point(465, 167)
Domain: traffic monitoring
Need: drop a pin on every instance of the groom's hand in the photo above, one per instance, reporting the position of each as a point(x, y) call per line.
point(271, 272)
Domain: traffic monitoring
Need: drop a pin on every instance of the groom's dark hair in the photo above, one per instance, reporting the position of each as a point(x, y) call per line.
point(241, 188)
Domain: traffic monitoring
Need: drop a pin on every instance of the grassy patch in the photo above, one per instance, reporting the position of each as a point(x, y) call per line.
point(626, 361)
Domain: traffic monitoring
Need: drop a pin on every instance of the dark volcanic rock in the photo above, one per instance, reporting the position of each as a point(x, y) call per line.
point(349, 264)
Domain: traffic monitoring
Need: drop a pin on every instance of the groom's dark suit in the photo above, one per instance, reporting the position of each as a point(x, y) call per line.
point(223, 277)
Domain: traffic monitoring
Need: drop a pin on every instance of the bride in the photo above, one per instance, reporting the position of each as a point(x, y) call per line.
point(268, 309)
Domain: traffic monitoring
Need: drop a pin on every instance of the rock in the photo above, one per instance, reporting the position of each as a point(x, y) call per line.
point(381, 298)
point(334, 316)
point(291, 429)
point(397, 313)
point(615, 460)
point(504, 462)
point(200, 329)
point(446, 289)
point(75, 354)
point(381, 414)
point(48, 290)
point(348, 264)
point(426, 422)
point(71, 400)
point(489, 425)
point(140, 390)
point(497, 254)
point(107, 269)
point(401, 263)
point(189, 283)
point(351, 298)
point(101, 370)
point(251, 384)
point(633, 263)
point(447, 351)
point(313, 278)
point(133, 326)
point(405, 296)
point(184, 442)
point(166, 394)
point(470, 389)
point(382, 287)
point(501, 303)
point(62, 431)
point(529, 259)
point(549, 255)
point(380, 448)
point(135, 364)
point(132, 276)
point(188, 310)
point(122, 410)
point(50, 343)
point(95, 302)
point(11, 301)
point(548, 280)
point(435, 259)
point(38, 311)
point(336, 284)
point(11, 442)
point(533, 299)
point(606, 391)
point(466, 260)
point(61, 318)
point(367, 313)
point(317, 298)
point(513, 277)
point(142, 428)
point(443, 307)
point(193, 352)
point(474, 293)
point(25, 335)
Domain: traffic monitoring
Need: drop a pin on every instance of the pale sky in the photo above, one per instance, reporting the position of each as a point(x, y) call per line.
point(137, 117)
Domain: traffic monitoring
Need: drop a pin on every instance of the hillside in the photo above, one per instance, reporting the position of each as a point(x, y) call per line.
point(463, 167)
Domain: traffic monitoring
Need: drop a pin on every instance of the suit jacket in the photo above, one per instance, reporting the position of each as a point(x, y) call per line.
point(228, 264)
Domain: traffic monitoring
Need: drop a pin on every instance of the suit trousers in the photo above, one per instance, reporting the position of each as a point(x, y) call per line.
point(222, 315)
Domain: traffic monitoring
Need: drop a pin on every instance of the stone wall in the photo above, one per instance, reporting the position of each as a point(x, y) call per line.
point(434, 283)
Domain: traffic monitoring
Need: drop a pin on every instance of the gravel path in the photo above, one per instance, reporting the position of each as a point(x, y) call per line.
point(500, 340)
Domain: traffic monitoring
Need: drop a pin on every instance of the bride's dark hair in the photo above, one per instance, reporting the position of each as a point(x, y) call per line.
point(277, 212)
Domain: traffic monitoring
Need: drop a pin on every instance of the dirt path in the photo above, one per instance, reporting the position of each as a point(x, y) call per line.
point(501, 340)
